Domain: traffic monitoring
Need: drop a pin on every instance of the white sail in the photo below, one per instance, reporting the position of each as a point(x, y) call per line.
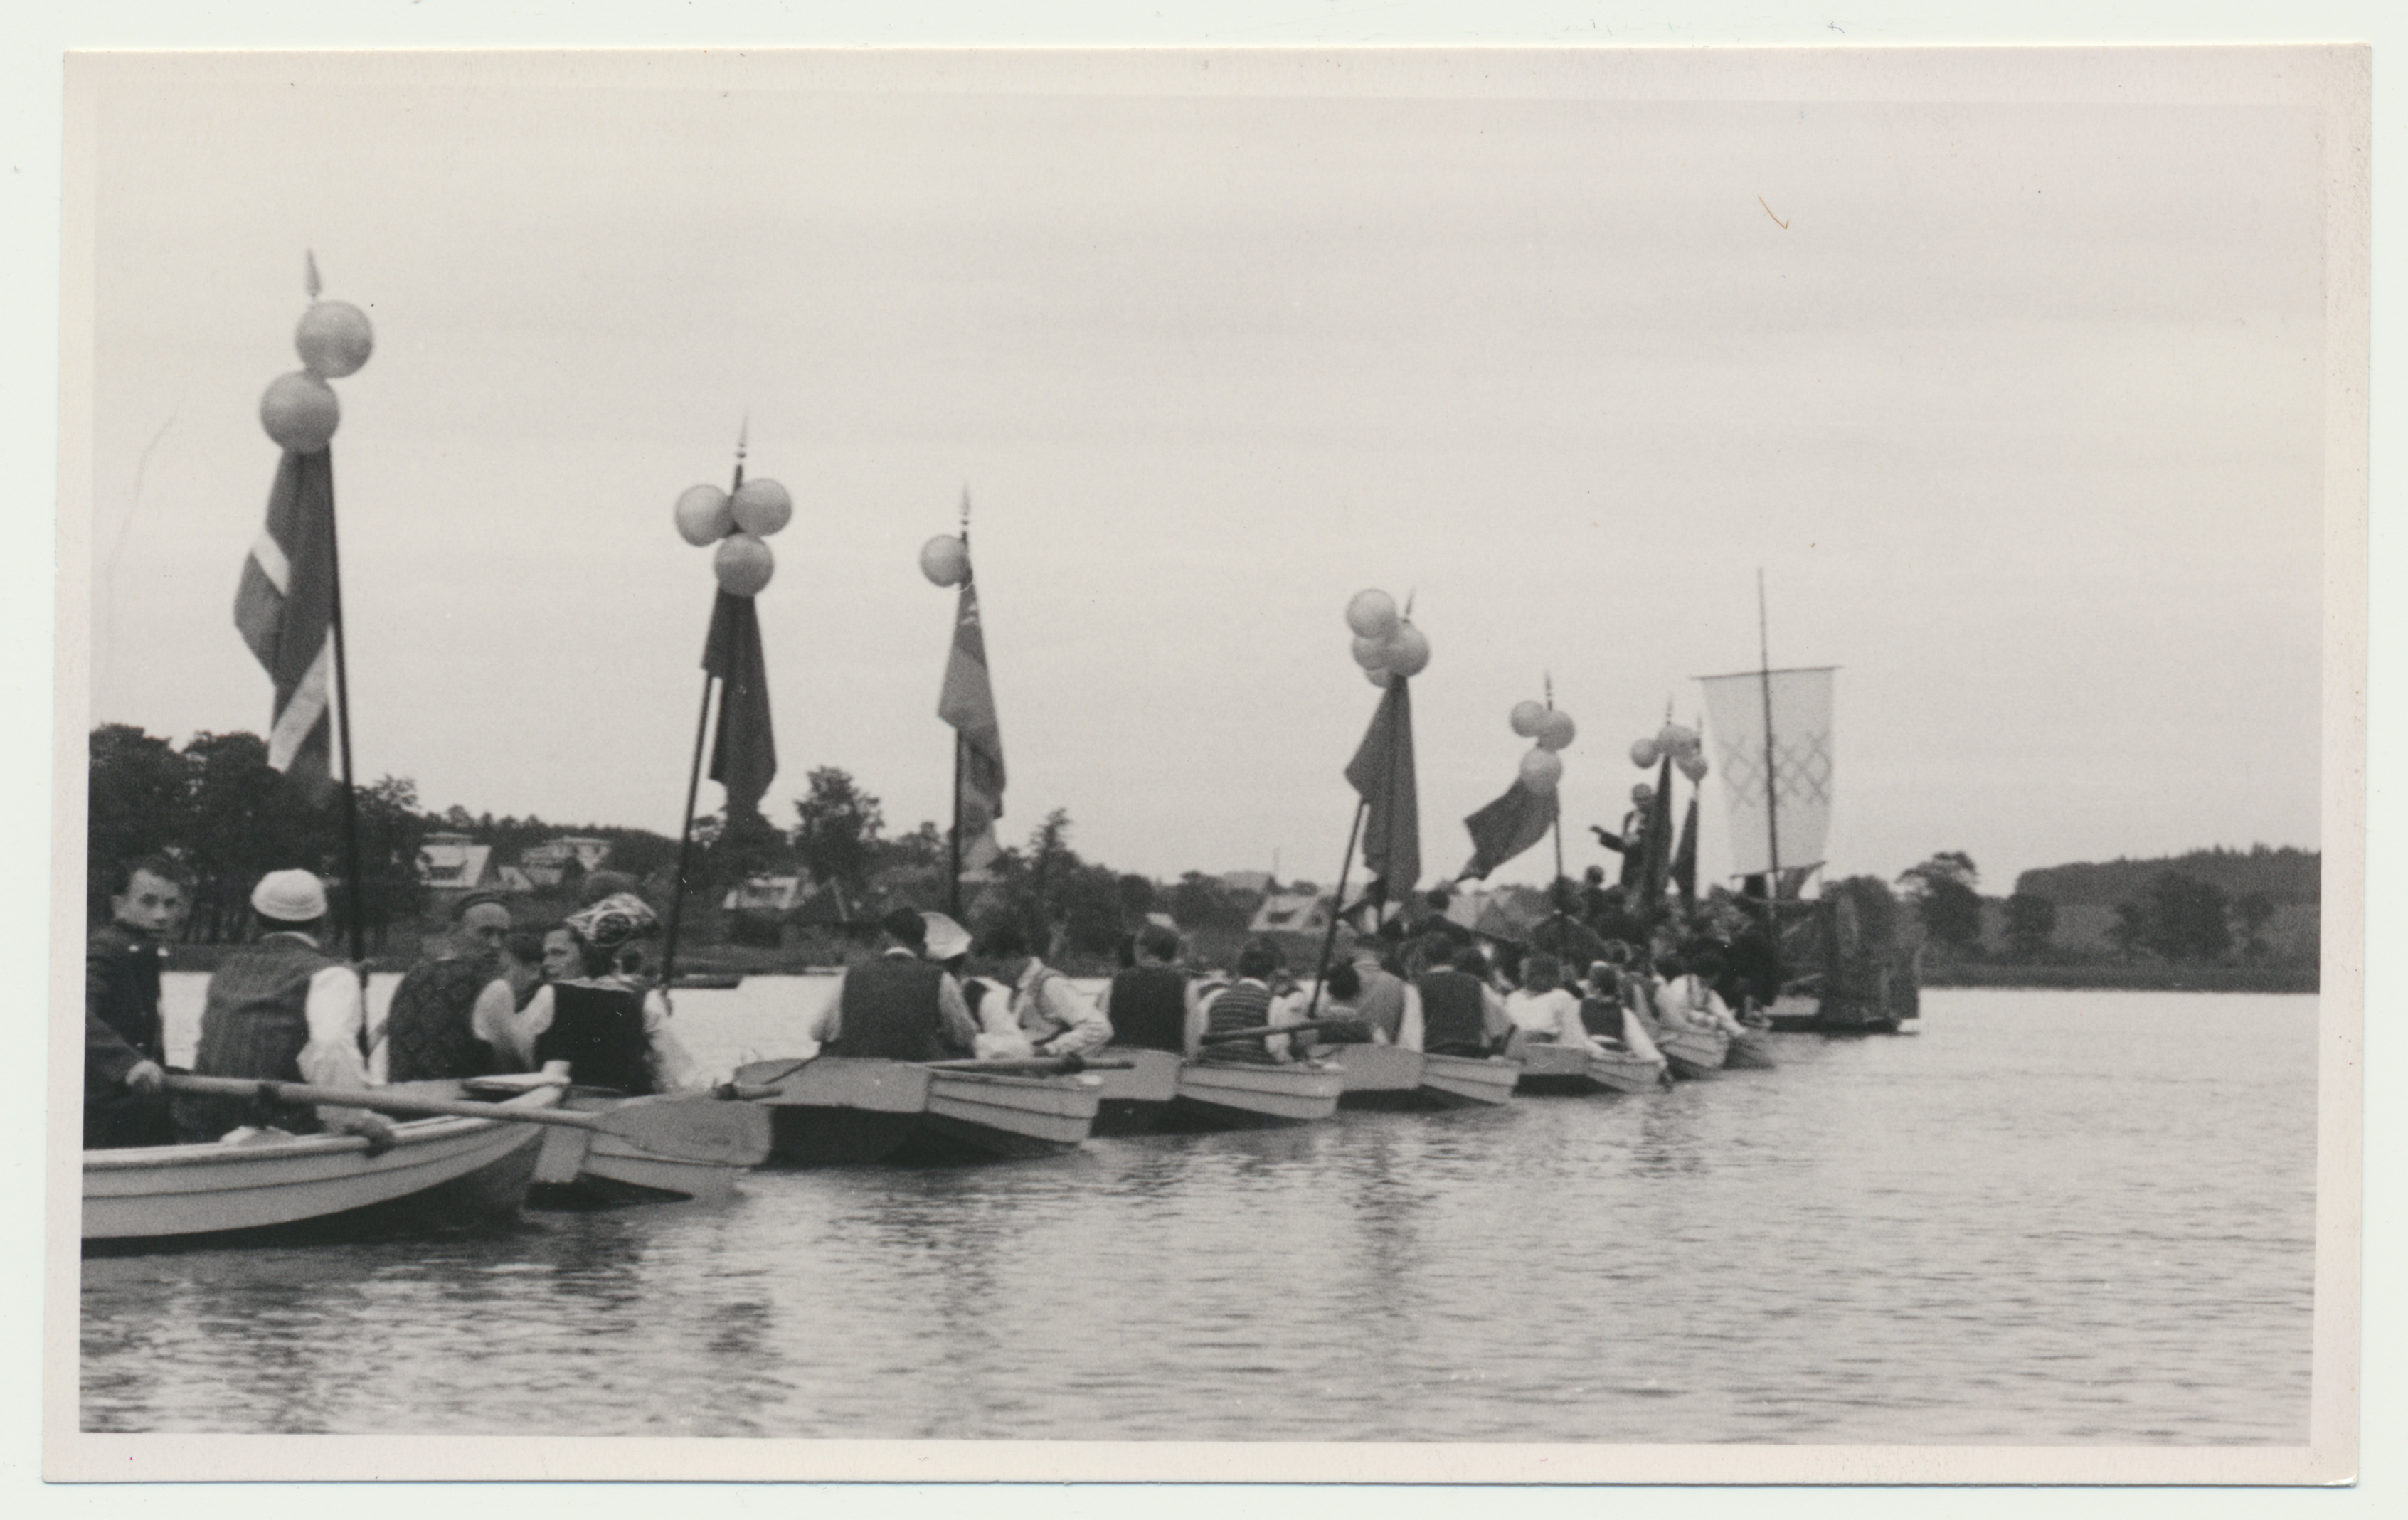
point(1787, 822)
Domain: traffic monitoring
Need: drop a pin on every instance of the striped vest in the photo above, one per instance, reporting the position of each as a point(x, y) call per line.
point(1454, 1018)
point(254, 1025)
point(1149, 1009)
point(1245, 1006)
point(430, 1034)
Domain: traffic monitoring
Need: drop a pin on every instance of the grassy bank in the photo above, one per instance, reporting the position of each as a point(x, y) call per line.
point(2112, 977)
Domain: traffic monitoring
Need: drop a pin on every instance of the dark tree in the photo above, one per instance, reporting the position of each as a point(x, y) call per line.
point(2255, 910)
point(139, 804)
point(2031, 922)
point(1137, 895)
point(1205, 902)
point(2131, 929)
point(836, 829)
point(1943, 890)
point(2188, 919)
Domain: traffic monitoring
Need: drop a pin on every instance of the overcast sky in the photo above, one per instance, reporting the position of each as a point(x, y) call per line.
point(2018, 407)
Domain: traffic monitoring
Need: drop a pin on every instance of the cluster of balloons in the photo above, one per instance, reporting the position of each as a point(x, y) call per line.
point(299, 411)
point(1550, 730)
point(737, 524)
point(1387, 644)
point(1682, 744)
point(945, 560)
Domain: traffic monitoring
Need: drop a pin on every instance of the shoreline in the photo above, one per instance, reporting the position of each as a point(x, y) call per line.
point(2042, 977)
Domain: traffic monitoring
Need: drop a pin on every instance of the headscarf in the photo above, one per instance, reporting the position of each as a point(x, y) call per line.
point(613, 921)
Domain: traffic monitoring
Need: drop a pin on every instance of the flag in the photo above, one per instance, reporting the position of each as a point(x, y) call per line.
point(1382, 773)
point(1656, 860)
point(1508, 827)
point(744, 754)
point(1684, 859)
point(285, 608)
point(967, 703)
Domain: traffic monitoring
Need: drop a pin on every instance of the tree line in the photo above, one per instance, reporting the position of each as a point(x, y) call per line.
point(2170, 913)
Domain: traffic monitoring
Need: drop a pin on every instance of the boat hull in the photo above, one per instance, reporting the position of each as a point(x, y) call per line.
point(1570, 1071)
point(1377, 1076)
point(1463, 1082)
point(441, 1176)
point(1694, 1053)
point(1135, 1100)
point(839, 1111)
point(1749, 1052)
point(1235, 1095)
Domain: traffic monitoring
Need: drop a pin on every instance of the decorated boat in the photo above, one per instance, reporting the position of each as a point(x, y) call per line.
point(1135, 1098)
point(442, 1175)
point(846, 1110)
point(1246, 1095)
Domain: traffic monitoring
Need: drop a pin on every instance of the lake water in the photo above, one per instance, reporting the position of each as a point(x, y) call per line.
point(2048, 1217)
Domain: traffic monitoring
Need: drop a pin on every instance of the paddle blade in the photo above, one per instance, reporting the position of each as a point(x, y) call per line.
point(691, 1129)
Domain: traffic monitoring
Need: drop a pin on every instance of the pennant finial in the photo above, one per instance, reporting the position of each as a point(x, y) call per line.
point(309, 282)
point(1547, 682)
point(1409, 599)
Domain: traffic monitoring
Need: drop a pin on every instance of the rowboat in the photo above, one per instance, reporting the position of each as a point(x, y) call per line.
point(846, 1110)
point(1694, 1052)
point(1464, 1081)
point(1575, 1070)
point(441, 1176)
point(1246, 1095)
point(1392, 1077)
point(1135, 1100)
point(585, 1168)
point(1751, 1050)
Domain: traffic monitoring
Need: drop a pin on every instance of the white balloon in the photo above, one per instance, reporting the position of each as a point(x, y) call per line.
point(1693, 766)
point(762, 508)
point(1540, 770)
point(333, 338)
point(945, 560)
point(1371, 654)
point(1372, 614)
point(1526, 718)
point(1556, 730)
point(1380, 674)
point(703, 515)
point(1643, 753)
point(743, 564)
point(300, 412)
point(1409, 650)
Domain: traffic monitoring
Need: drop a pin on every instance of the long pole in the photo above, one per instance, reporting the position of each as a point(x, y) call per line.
point(1772, 786)
point(954, 840)
point(1555, 890)
point(356, 896)
point(694, 773)
point(1329, 940)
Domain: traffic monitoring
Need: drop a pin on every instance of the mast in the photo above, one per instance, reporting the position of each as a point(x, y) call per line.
point(954, 840)
point(1771, 788)
point(694, 772)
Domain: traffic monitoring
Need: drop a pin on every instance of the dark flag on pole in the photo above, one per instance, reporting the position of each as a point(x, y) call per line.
point(744, 757)
point(1656, 867)
point(285, 608)
point(1684, 859)
point(1506, 827)
point(1382, 773)
point(967, 703)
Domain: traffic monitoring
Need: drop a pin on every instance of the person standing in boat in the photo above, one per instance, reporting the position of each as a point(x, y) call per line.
point(612, 1031)
point(1461, 1014)
point(282, 1010)
point(1631, 844)
point(124, 1043)
point(448, 1013)
point(1149, 1006)
point(900, 1005)
point(1057, 1018)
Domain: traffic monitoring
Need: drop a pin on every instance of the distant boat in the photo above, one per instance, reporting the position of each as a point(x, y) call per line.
point(847, 1111)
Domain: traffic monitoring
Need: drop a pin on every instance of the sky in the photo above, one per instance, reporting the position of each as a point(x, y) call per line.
point(2017, 404)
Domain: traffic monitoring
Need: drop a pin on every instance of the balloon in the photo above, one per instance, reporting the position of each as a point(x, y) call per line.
point(1526, 718)
point(333, 338)
point(1372, 614)
point(1409, 650)
point(945, 560)
point(1693, 766)
point(1556, 730)
point(703, 516)
point(300, 411)
point(1643, 753)
point(1381, 675)
point(762, 508)
point(1540, 770)
point(742, 565)
point(1372, 653)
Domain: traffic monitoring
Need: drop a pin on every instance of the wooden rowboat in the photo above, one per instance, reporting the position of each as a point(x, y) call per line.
point(1751, 1052)
point(1137, 1098)
point(1464, 1081)
point(584, 1169)
point(1392, 1077)
point(1694, 1052)
point(1247, 1095)
point(843, 1110)
point(441, 1176)
point(1577, 1069)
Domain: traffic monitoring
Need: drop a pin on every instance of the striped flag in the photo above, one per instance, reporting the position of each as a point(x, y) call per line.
point(967, 703)
point(285, 608)
point(744, 755)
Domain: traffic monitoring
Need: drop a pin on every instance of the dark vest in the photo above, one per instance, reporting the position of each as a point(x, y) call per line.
point(254, 1025)
point(1453, 1017)
point(1247, 1005)
point(599, 1031)
point(1602, 1016)
point(889, 1012)
point(430, 1033)
point(121, 969)
point(1149, 1009)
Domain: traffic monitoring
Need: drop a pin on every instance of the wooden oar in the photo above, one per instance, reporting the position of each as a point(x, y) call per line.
point(1306, 1028)
point(702, 1129)
point(1039, 1066)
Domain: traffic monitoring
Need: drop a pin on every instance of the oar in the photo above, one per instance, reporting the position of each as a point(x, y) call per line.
point(1041, 1065)
point(1306, 1028)
point(703, 1129)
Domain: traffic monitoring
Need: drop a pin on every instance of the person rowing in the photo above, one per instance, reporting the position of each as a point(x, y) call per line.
point(124, 1043)
point(612, 1031)
point(899, 1005)
point(1247, 1003)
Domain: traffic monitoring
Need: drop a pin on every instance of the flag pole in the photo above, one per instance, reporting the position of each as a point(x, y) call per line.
point(694, 777)
point(953, 845)
point(1337, 906)
point(1555, 888)
point(357, 894)
point(1771, 789)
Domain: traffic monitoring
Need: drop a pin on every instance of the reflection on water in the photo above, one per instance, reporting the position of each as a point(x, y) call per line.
point(2053, 1218)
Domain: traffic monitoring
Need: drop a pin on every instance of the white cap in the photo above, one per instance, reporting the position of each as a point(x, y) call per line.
point(946, 938)
point(290, 896)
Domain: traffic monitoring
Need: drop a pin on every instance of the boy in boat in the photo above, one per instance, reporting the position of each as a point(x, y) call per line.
point(899, 1005)
point(1057, 1018)
point(1461, 1014)
point(447, 1014)
point(282, 1010)
point(1149, 1004)
point(124, 1046)
point(1247, 1003)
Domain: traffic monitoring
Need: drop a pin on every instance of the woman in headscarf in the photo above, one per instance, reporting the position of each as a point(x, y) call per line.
point(611, 1029)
